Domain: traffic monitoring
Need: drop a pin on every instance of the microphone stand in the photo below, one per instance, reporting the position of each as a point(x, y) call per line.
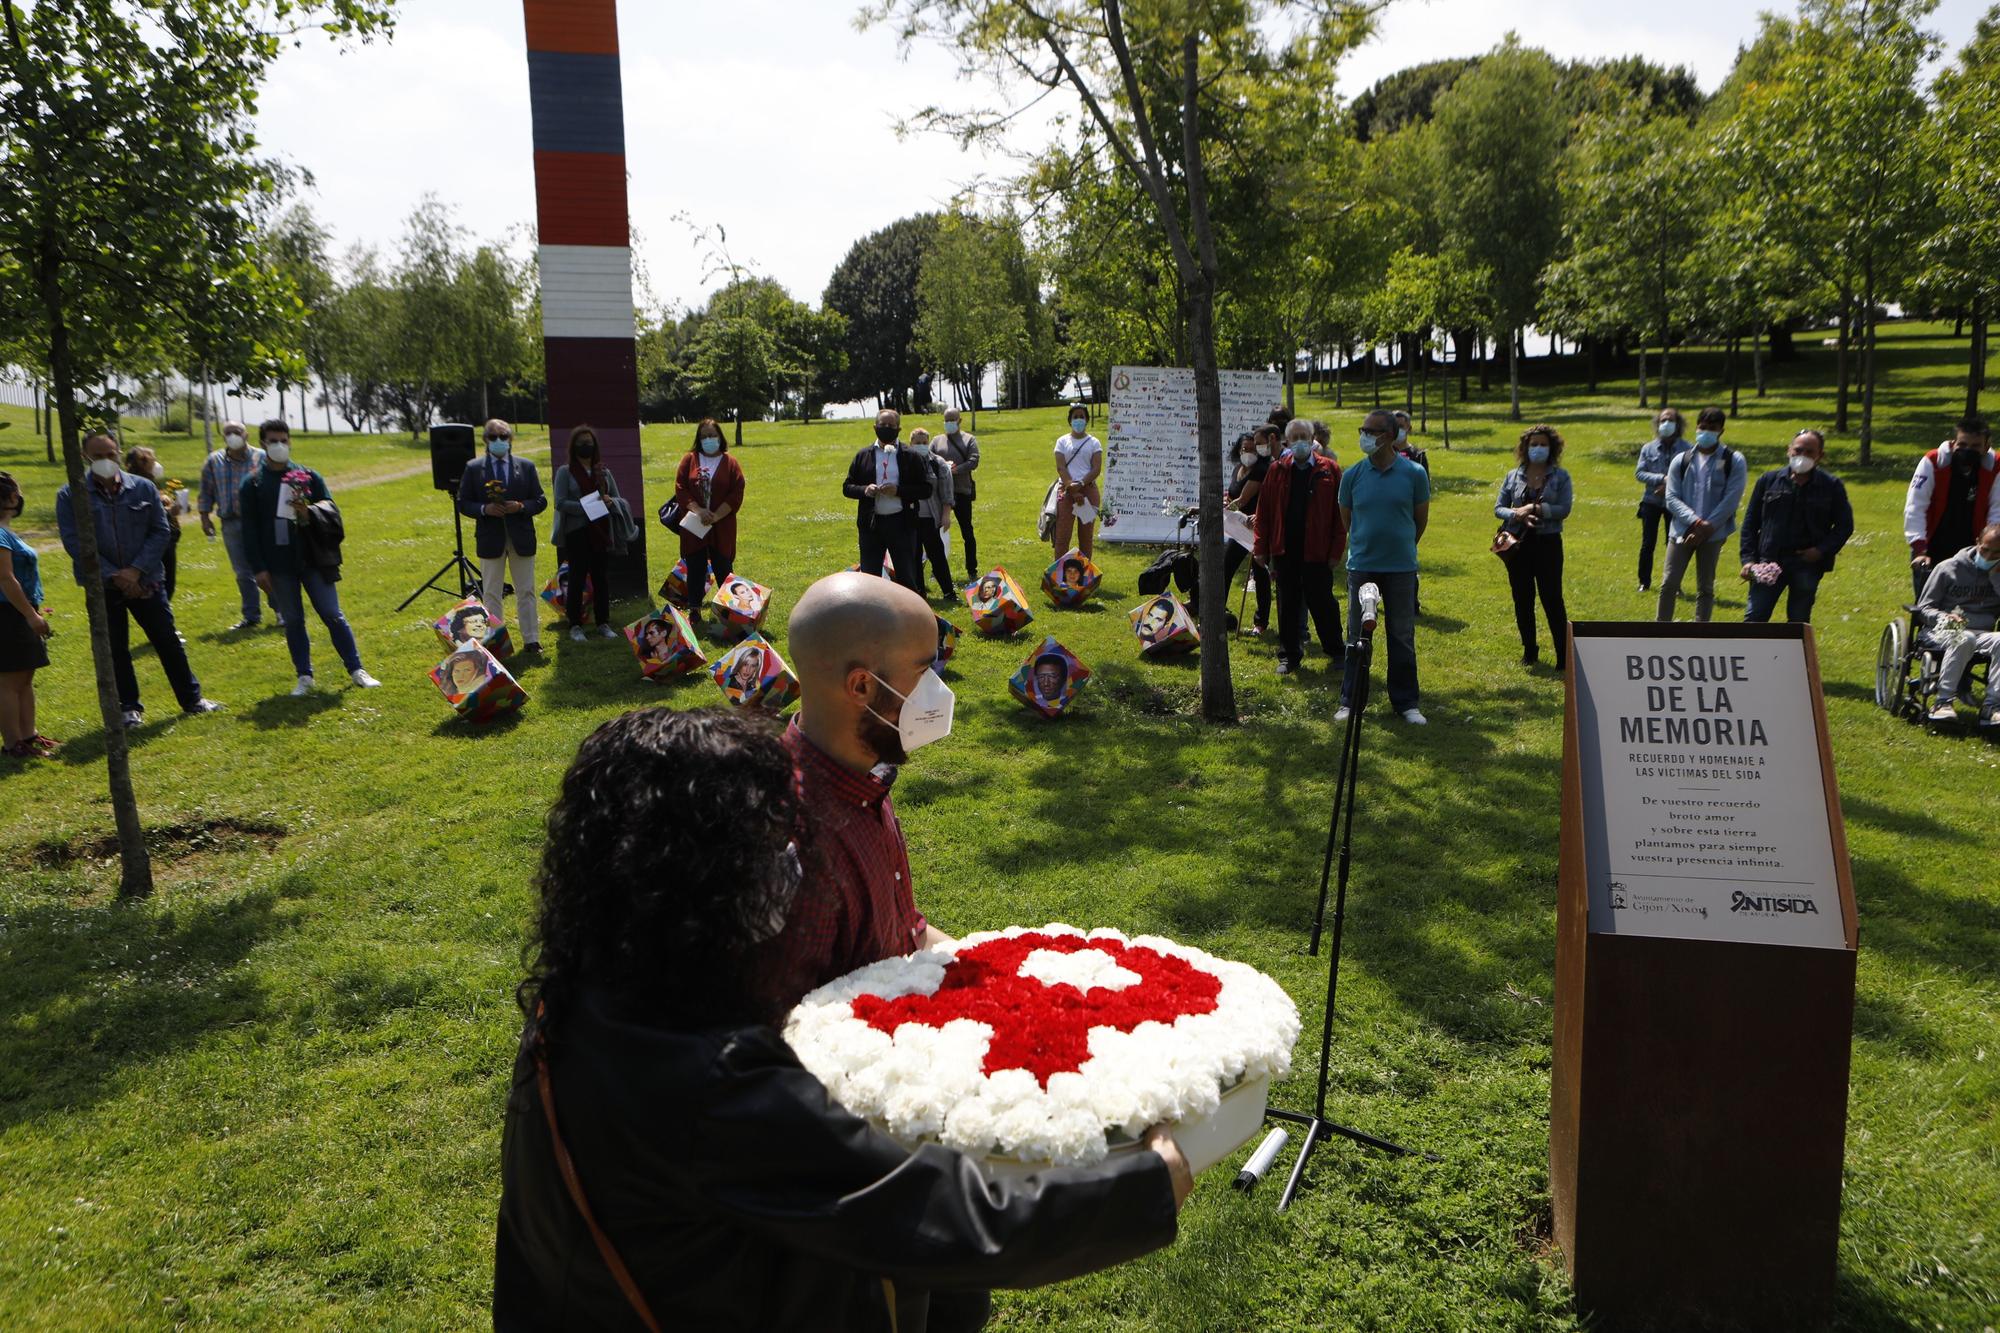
point(1318, 1127)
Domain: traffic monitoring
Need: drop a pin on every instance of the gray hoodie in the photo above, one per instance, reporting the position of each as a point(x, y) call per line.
point(1959, 585)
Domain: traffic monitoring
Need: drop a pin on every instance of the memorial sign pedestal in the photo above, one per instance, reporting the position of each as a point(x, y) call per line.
point(1705, 966)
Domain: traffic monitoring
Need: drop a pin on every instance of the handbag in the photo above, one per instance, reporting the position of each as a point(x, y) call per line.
point(671, 514)
point(1047, 523)
point(1506, 542)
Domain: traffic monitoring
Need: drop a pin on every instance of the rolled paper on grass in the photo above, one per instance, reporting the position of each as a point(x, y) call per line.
point(1164, 627)
point(471, 622)
point(999, 607)
point(477, 687)
point(1049, 680)
point(665, 644)
point(552, 593)
point(1071, 579)
point(752, 674)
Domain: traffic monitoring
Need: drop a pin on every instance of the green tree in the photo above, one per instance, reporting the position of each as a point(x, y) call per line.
point(968, 316)
point(1962, 256)
point(296, 244)
point(498, 343)
point(874, 287)
point(127, 149)
point(1422, 297)
point(428, 342)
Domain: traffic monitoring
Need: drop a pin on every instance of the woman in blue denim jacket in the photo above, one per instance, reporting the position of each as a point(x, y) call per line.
point(1655, 457)
point(1535, 498)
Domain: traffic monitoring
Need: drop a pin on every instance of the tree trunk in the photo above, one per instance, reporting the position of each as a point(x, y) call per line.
point(48, 423)
point(1424, 394)
point(1291, 375)
point(207, 415)
point(1867, 364)
point(1462, 356)
point(1409, 342)
point(1840, 360)
point(1514, 345)
point(1975, 371)
point(1444, 406)
point(1375, 374)
point(1339, 377)
point(739, 429)
point(135, 879)
point(1590, 355)
point(1485, 365)
point(1757, 356)
point(1642, 377)
point(1735, 386)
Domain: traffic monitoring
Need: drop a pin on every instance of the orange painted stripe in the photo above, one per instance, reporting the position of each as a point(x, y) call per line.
point(580, 199)
point(582, 27)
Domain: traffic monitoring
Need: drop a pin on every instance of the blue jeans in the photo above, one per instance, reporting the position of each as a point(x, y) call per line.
point(285, 590)
point(156, 619)
point(239, 562)
point(1799, 579)
point(1399, 608)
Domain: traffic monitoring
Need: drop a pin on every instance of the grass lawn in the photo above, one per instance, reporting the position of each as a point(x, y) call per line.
point(271, 1095)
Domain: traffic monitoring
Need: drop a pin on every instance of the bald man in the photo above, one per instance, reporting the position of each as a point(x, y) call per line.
point(886, 480)
point(861, 646)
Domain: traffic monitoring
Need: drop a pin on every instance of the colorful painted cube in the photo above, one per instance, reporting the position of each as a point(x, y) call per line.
point(888, 568)
point(1164, 627)
point(674, 592)
point(475, 684)
point(665, 644)
point(753, 673)
point(740, 605)
point(1071, 579)
point(471, 622)
point(947, 644)
point(999, 607)
point(1048, 681)
point(552, 593)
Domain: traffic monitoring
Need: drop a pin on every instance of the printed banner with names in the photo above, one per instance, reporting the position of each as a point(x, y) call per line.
point(1152, 470)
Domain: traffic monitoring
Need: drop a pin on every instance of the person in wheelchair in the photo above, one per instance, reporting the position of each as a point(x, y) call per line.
point(1958, 611)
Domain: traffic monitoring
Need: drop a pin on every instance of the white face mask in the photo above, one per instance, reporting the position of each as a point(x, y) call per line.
point(278, 452)
point(104, 469)
point(1800, 465)
point(1248, 456)
point(951, 428)
point(1263, 451)
point(159, 472)
point(926, 714)
point(232, 439)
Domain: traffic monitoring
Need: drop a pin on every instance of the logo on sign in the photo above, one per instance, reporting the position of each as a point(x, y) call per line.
point(1766, 905)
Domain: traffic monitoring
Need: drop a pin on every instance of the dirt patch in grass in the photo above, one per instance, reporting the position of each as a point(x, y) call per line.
point(169, 844)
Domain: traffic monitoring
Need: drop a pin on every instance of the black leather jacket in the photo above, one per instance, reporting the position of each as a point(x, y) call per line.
point(739, 1197)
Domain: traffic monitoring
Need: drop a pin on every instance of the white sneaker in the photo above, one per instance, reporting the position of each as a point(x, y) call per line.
point(1342, 713)
point(606, 632)
point(364, 680)
point(1414, 718)
point(576, 634)
point(304, 687)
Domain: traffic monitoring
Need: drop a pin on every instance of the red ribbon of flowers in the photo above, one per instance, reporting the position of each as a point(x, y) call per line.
point(1043, 1028)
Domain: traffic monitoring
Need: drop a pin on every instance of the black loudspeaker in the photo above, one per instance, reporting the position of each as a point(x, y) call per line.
point(452, 447)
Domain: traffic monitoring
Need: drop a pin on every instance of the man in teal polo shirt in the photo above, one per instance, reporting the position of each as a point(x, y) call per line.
point(1385, 501)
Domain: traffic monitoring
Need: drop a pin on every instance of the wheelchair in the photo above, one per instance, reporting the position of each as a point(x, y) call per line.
point(1908, 664)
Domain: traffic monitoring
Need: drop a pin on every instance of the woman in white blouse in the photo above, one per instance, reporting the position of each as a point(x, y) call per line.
point(1079, 463)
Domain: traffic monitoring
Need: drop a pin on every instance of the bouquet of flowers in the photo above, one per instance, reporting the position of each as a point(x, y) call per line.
point(1767, 572)
point(1051, 1045)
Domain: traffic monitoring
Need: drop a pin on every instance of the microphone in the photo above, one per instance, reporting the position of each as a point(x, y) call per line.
point(1370, 599)
point(1261, 1160)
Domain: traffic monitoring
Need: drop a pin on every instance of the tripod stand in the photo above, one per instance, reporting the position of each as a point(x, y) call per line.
point(1318, 1127)
point(468, 577)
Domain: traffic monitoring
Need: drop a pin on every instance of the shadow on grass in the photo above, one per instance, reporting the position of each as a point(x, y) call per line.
point(283, 710)
point(87, 991)
point(1940, 925)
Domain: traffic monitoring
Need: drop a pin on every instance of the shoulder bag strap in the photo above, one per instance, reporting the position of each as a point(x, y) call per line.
point(605, 1249)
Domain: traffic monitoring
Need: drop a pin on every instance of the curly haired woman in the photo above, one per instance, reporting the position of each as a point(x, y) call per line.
point(1535, 498)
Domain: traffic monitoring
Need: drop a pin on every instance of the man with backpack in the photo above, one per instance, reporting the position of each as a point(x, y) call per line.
point(1704, 487)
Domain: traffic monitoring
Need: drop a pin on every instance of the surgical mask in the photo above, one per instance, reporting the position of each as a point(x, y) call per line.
point(232, 439)
point(1402, 434)
point(1248, 456)
point(926, 714)
point(499, 446)
point(1707, 439)
point(1984, 562)
point(159, 472)
point(279, 453)
point(711, 445)
point(104, 469)
point(1800, 464)
point(1966, 458)
point(1302, 450)
point(1538, 453)
point(887, 434)
point(1666, 429)
point(1263, 451)
point(1370, 443)
point(1078, 424)
point(951, 428)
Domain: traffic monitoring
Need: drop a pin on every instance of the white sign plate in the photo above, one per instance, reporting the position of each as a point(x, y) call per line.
point(1152, 470)
point(1704, 806)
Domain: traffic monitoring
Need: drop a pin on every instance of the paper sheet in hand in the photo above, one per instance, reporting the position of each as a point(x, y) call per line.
point(693, 526)
point(1237, 528)
point(594, 507)
point(285, 501)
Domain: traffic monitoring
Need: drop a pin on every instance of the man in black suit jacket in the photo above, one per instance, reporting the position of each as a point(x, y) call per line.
point(885, 481)
point(503, 527)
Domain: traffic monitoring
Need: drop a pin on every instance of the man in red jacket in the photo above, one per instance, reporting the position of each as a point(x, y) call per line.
point(1951, 498)
point(1299, 537)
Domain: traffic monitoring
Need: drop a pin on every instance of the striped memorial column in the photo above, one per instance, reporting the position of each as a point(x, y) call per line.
point(586, 246)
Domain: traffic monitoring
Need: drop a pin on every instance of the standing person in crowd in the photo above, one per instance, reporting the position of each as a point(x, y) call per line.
point(934, 533)
point(584, 545)
point(1300, 533)
point(1655, 456)
point(501, 494)
point(222, 478)
point(1534, 500)
point(24, 633)
point(141, 461)
point(1951, 497)
point(1385, 504)
point(885, 481)
point(709, 484)
point(1079, 463)
point(131, 539)
point(1798, 518)
point(961, 450)
point(1961, 605)
point(290, 564)
point(1244, 487)
point(665, 1155)
point(1323, 439)
point(1704, 486)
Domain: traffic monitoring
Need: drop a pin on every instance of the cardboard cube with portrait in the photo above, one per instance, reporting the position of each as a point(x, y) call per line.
point(753, 673)
point(1049, 680)
point(888, 567)
point(947, 648)
point(1071, 579)
point(740, 604)
point(471, 622)
point(999, 607)
point(665, 644)
point(552, 593)
point(674, 592)
point(1164, 627)
point(477, 687)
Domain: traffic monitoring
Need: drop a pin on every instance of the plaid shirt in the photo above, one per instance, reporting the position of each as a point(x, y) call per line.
point(222, 479)
point(854, 905)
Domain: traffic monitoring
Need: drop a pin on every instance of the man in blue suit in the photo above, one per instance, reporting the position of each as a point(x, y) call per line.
point(501, 495)
point(1704, 487)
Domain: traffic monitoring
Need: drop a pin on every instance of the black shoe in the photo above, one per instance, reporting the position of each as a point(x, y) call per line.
point(1530, 657)
point(1284, 667)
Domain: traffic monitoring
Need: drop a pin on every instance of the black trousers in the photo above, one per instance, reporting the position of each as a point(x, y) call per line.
point(892, 535)
point(1309, 586)
point(1536, 567)
point(171, 562)
point(156, 619)
point(961, 509)
point(937, 549)
point(585, 562)
point(1649, 538)
point(701, 566)
point(1260, 578)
